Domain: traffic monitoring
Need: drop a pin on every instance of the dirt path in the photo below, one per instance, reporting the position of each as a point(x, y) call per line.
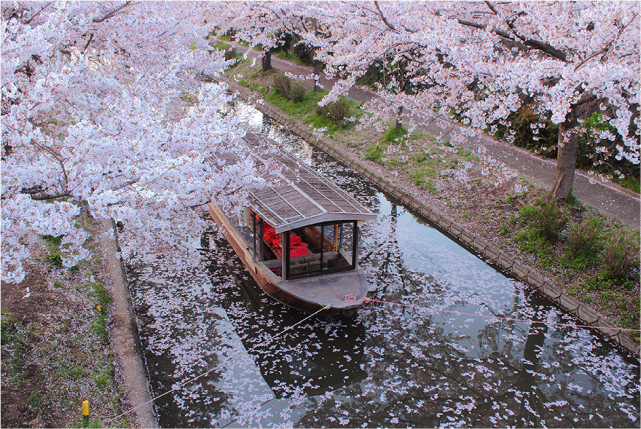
point(60, 331)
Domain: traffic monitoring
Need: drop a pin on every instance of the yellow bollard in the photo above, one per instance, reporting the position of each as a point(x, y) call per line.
point(85, 411)
point(98, 307)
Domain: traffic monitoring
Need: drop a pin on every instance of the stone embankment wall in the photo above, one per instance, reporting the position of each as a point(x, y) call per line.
point(471, 241)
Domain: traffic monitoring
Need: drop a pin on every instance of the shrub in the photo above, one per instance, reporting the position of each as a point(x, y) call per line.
point(585, 241)
point(620, 254)
point(336, 111)
point(297, 92)
point(528, 211)
point(282, 85)
point(547, 220)
point(230, 54)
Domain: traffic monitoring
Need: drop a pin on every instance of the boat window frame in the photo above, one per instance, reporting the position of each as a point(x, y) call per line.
point(286, 254)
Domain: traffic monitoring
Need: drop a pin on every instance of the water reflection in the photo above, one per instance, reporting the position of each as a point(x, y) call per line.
point(422, 364)
point(313, 359)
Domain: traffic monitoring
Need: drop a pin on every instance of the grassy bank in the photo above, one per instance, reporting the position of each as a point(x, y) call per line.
point(55, 341)
point(592, 257)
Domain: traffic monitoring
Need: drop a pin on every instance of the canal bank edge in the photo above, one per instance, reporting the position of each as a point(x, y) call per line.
point(468, 240)
point(125, 333)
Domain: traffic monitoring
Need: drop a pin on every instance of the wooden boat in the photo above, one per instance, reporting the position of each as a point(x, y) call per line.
point(319, 224)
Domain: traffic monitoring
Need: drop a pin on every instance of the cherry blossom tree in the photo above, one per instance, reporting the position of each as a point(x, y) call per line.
point(256, 23)
point(266, 24)
point(481, 62)
point(94, 120)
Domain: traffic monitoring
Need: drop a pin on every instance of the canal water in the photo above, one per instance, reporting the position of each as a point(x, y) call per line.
point(428, 362)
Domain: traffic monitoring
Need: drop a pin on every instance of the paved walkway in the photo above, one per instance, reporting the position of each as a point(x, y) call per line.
point(607, 198)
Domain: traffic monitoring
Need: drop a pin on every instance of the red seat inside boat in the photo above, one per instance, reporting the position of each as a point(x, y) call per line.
point(296, 245)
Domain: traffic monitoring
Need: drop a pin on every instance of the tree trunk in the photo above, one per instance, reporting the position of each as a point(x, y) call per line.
point(568, 147)
point(316, 73)
point(267, 60)
point(399, 118)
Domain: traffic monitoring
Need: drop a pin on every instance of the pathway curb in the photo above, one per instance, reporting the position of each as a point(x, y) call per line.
point(468, 240)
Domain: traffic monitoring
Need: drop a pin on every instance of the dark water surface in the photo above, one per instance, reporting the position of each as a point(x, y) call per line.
point(422, 364)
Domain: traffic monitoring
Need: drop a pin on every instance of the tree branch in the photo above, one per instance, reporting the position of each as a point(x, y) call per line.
point(88, 42)
point(44, 197)
point(607, 47)
point(112, 13)
point(58, 158)
point(383, 17)
point(35, 190)
point(538, 45)
point(37, 13)
point(492, 8)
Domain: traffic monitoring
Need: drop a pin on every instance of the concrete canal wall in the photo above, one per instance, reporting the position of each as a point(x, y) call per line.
point(125, 337)
point(470, 241)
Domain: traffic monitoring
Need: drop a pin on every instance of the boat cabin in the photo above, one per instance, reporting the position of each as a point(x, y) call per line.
point(314, 219)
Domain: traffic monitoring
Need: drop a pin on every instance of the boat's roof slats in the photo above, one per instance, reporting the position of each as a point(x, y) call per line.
point(303, 197)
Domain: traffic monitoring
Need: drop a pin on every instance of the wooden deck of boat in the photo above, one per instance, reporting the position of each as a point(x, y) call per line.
point(339, 290)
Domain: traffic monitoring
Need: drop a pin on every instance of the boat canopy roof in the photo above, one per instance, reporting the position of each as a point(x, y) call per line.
point(302, 197)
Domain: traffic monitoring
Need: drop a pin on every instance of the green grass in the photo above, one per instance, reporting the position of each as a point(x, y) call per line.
point(291, 57)
point(545, 221)
point(572, 201)
point(301, 109)
point(423, 174)
point(102, 380)
point(307, 110)
point(374, 152)
point(585, 243)
point(55, 255)
point(101, 297)
point(630, 183)
point(188, 97)
point(222, 46)
point(394, 135)
point(467, 154)
point(34, 400)
point(12, 337)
